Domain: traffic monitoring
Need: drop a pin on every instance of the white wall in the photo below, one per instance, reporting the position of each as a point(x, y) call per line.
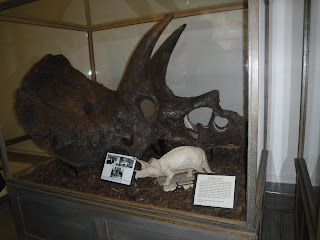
point(286, 22)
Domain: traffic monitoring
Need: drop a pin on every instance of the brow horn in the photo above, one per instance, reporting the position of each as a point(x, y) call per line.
point(136, 75)
point(160, 60)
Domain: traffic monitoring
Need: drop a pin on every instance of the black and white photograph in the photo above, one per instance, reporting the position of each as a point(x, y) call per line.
point(116, 172)
point(118, 168)
point(125, 162)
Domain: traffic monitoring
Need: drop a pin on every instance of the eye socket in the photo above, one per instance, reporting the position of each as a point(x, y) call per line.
point(147, 108)
point(221, 122)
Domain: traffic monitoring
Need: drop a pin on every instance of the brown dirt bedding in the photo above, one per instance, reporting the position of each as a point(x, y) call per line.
point(230, 161)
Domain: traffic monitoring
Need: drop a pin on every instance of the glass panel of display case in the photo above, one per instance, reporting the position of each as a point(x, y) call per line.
point(312, 135)
point(72, 11)
point(115, 10)
point(21, 46)
point(210, 54)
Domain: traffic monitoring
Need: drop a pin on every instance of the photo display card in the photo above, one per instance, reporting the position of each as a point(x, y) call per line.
point(214, 190)
point(118, 168)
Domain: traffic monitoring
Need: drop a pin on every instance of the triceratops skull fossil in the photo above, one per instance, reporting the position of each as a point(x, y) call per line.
point(79, 120)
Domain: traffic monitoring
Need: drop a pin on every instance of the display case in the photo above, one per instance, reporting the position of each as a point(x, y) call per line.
point(307, 162)
point(222, 48)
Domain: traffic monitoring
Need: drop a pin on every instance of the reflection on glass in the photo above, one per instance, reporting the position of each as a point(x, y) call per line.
point(117, 10)
point(22, 46)
point(312, 135)
point(210, 54)
point(70, 11)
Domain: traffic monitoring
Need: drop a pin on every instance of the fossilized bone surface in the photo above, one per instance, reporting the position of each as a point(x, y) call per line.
point(79, 120)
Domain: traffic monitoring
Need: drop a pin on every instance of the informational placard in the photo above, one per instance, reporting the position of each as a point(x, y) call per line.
point(118, 168)
point(214, 190)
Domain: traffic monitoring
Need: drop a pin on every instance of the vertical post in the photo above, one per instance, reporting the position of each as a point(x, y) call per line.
point(4, 157)
point(90, 41)
point(304, 77)
point(253, 109)
point(266, 75)
point(296, 206)
point(318, 232)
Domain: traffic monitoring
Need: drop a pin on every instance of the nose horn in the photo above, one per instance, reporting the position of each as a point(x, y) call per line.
point(143, 164)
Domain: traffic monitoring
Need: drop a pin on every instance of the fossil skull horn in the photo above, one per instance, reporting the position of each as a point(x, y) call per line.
point(136, 75)
point(160, 60)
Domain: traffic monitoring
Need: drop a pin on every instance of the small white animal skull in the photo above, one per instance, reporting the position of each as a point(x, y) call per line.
point(179, 160)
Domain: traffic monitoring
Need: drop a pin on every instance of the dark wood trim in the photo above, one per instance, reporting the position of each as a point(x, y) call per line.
point(305, 202)
point(13, 3)
point(318, 233)
point(4, 157)
point(261, 181)
point(17, 140)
